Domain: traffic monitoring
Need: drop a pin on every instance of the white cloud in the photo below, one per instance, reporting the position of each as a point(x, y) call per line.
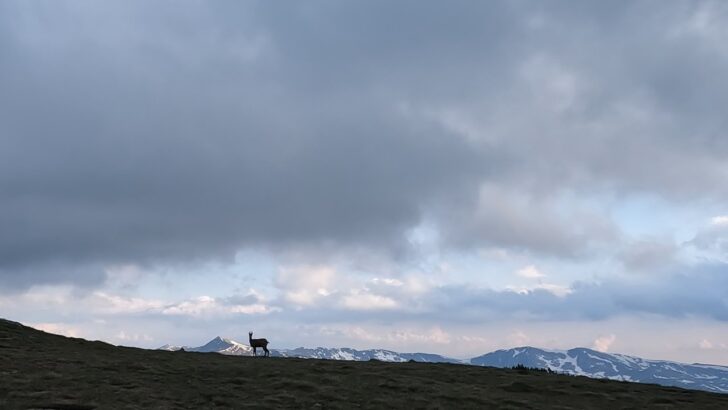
point(388, 281)
point(252, 309)
point(108, 303)
point(194, 307)
point(705, 344)
point(721, 220)
point(305, 285)
point(57, 328)
point(417, 284)
point(603, 343)
point(530, 272)
point(434, 335)
point(518, 338)
point(103, 303)
point(133, 337)
point(557, 290)
point(210, 306)
point(367, 301)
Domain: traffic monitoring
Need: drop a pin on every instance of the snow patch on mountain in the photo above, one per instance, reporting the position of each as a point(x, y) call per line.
point(591, 363)
point(361, 355)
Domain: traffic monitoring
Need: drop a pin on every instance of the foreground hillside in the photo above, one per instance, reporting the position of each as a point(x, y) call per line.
point(40, 370)
point(576, 362)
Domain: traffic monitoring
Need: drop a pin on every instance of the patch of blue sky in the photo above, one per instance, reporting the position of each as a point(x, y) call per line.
point(648, 215)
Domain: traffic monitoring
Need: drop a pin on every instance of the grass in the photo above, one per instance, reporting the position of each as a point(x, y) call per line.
point(44, 371)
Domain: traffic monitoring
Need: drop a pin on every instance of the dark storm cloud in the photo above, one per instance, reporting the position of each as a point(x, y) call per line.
point(134, 133)
point(138, 149)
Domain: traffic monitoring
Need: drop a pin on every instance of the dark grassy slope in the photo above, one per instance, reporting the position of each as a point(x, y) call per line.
point(40, 370)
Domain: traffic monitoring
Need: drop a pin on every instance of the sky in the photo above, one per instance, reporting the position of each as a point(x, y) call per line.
point(448, 177)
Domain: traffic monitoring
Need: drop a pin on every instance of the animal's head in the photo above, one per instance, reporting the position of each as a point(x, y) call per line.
point(250, 333)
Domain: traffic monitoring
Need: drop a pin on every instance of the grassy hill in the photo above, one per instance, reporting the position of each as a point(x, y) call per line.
point(44, 371)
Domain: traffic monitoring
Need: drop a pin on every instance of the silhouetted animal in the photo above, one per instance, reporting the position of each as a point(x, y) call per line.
point(256, 343)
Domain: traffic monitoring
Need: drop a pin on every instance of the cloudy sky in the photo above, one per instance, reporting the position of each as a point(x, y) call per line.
point(451, 177)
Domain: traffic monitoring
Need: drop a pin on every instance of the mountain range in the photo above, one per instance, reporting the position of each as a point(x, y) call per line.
point(233, 348)
point(578, 362)
point(591, 363)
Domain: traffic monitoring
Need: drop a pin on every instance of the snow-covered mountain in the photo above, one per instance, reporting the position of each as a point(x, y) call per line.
point(579, 361)
point(233, 348)
point(361, 355)
point(587, 362)
point(172, 348)
point(226, 346)
point(217, 345)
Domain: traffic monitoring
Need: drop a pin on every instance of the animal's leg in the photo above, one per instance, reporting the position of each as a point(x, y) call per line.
point(255, 351)
point(267, 353)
